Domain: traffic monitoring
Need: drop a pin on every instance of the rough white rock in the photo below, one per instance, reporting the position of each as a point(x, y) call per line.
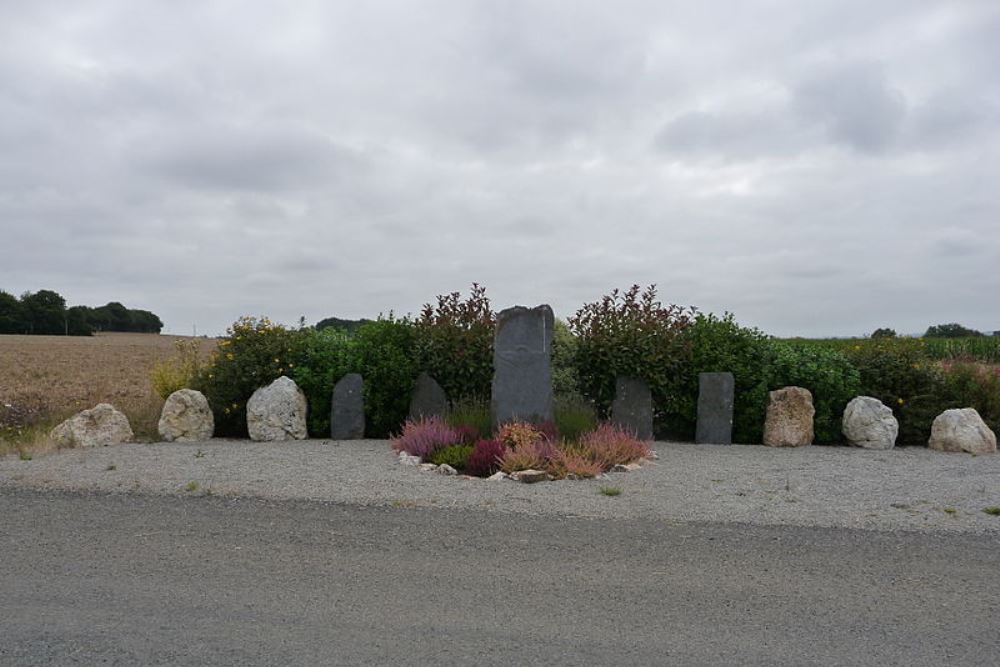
point(101, 425)
point(962, 431)
point(409, 459)
point(446, 469)
point(427, 466)
point(869, 423)
point(498, 476)
point(789, 420)
point(277, 412)
point(186, 417)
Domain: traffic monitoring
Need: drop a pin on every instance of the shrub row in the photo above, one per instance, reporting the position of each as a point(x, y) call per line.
point(624, 333)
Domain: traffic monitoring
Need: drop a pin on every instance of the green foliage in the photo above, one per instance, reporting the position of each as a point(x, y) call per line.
point(454, 343)
point(44, 312)
point(323, 357)
point(385, 360)
point(473, 414)
point(454, 455)
point(574, 416)
point(952, 330)
point(347, 326)
point(828, 374)
point(254, 353)
point(721, 345)
point(970, 385)
point(565, 380)
point(610, 491)
point(11, 314)
point(180, 371)
point(899, 373)
point(884, 332)
point(632, 334)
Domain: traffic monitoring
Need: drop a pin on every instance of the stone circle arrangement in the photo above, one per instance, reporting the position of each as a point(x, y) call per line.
point(522, 446)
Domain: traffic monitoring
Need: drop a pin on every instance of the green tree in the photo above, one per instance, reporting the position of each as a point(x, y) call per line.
point(952, 330)
point(11, 315)
point(884, 332)
point(45, 312)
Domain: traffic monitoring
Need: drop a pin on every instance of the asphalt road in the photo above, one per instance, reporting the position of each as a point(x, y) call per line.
point(94, 579)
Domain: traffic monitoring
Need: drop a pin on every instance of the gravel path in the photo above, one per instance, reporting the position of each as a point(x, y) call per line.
point(908, 488)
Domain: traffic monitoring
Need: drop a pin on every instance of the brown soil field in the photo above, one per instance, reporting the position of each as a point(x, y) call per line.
point(44, 379)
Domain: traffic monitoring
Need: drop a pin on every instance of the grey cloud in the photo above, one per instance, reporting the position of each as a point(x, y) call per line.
point(855, 103)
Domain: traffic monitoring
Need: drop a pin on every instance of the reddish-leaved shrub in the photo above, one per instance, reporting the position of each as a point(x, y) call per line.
point(569, 460)
point(518, 434)
point(424, 436)
point(485, 458)
point(527, 456)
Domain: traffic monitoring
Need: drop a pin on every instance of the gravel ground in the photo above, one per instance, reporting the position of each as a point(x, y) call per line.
point(902, 489)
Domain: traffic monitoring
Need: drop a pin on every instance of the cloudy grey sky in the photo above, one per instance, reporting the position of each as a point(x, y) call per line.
point(817, 168)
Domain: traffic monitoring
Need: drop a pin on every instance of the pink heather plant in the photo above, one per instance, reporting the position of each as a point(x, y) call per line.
point(425, 436)
point(608, 445)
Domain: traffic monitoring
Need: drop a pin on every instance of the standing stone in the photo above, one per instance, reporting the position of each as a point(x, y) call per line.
point(186, 417)
point(429, 399)
point(962, 431)
point(632, 408)
point(277, 412)
point(97, 427)
point(522, 357)
point(347, 410)
point(789, 421)
point(716, 393)
point(869, 423)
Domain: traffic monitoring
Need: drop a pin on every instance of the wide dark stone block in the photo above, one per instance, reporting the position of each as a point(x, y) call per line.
point(522, 357)
point(715, 408)
point(632, 408)
point(429, 399)
point(347, 413)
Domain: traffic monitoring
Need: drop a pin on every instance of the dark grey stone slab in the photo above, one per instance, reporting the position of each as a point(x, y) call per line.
point(347, 414)
point(522, 363)
point(632, 408)
point(715, 408)
point(429, 399)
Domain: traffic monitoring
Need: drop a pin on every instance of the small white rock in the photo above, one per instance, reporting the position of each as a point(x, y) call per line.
point(427, 466)
point(409, 459)
point(498, 476)
point(619, 467)
point(446, 469)
point(530, 476)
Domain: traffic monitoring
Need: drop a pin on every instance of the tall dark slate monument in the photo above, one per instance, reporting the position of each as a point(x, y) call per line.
point(632, 408)
point(429, 399)
point(715, 408)
point(347, 409)
point(522, 365)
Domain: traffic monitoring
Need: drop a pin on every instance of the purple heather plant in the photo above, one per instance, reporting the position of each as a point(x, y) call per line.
point(485, 458)
point(425, 436)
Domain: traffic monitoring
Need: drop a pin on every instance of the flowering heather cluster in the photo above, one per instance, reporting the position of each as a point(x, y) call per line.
point(608, 445)
point(519, 434)
point(425, 436)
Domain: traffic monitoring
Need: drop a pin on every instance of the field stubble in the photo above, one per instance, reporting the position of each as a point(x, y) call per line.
point(45, 379)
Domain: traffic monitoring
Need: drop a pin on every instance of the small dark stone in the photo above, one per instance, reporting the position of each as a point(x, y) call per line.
point(522, 356)
point(715, 408)
point(632, 408)
point(429, 399)
point(347, 413)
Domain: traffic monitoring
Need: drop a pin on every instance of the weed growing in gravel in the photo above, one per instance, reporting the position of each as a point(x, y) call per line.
point(950, 510)
point(992, 511)
point(191, 486)
point(610, 491)
point(23, 455)
point(199, 454)
point(111, 466)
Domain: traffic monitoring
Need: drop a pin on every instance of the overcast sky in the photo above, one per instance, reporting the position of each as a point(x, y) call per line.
point(817, 168)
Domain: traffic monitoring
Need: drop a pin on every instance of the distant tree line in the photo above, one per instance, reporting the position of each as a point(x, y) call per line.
point(349, 326)
point(951, 330)
point(45, 313)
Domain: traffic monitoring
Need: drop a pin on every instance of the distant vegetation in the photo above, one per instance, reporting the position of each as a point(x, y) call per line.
point(347, 326)
point(45, 313)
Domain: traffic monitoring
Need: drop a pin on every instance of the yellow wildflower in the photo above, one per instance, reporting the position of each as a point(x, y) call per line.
point(229, 355)
point(900, 401)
